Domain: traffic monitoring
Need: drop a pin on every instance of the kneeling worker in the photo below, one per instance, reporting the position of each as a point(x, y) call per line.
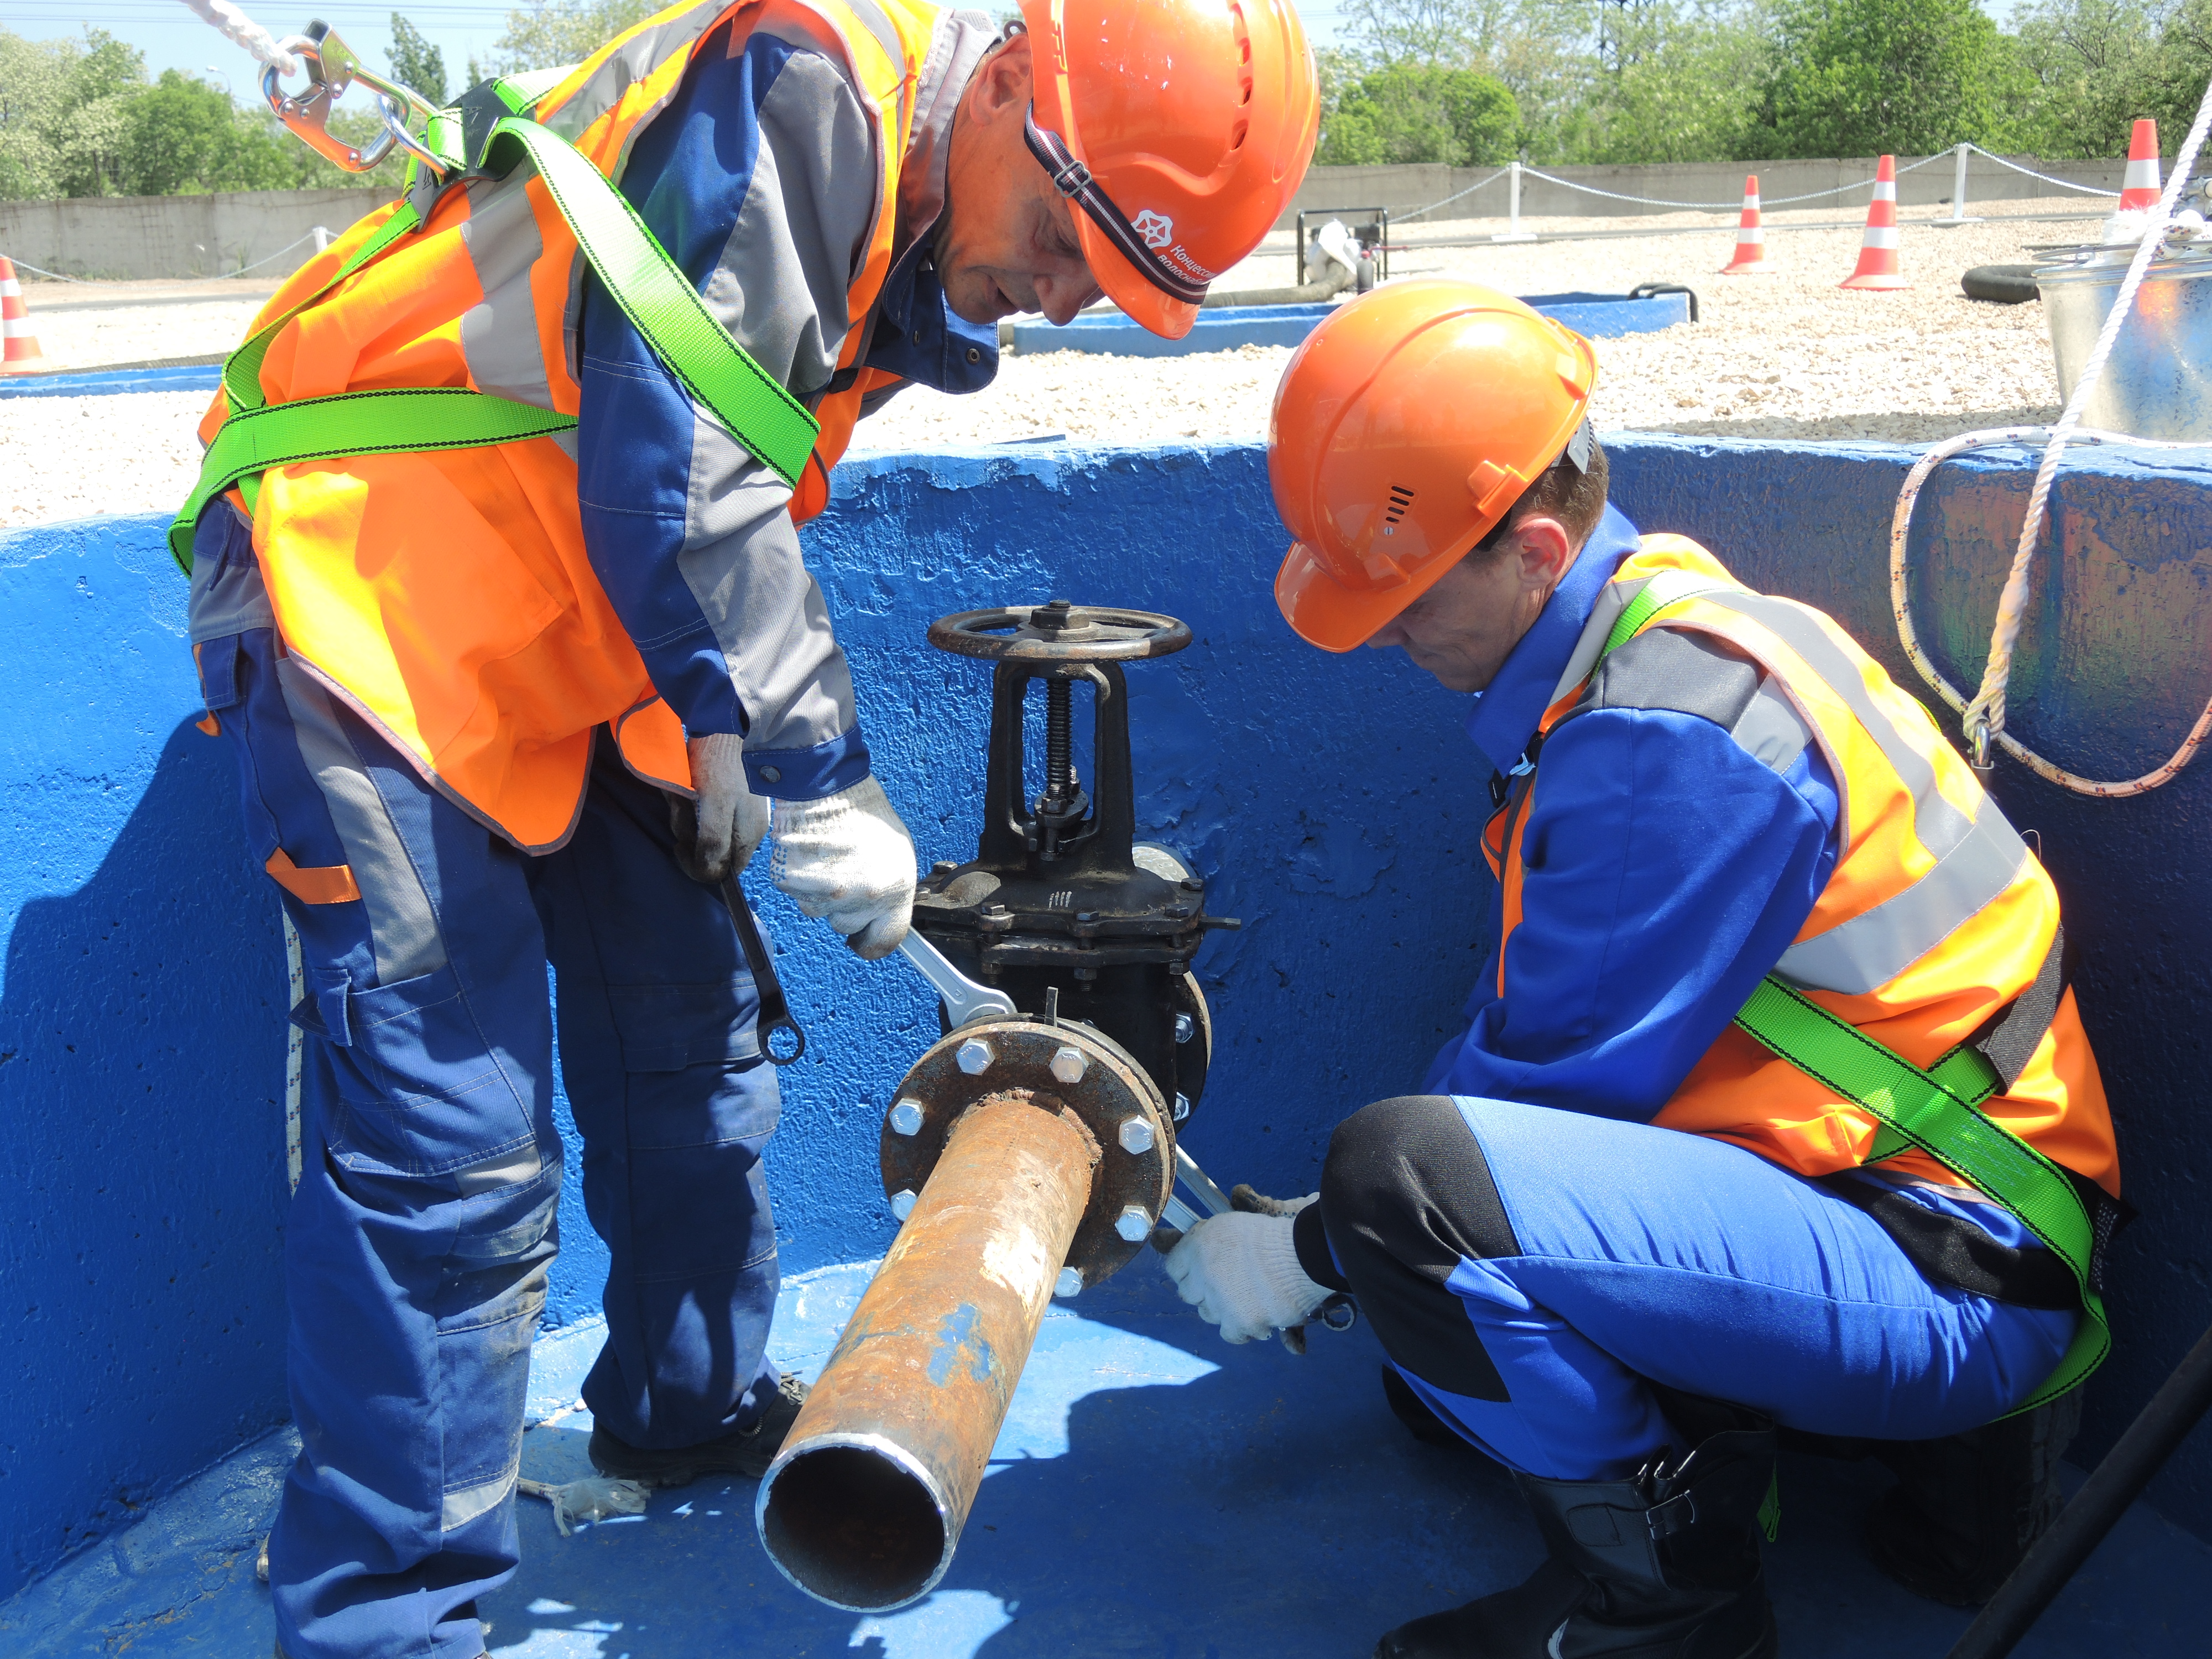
point(1772, 1107)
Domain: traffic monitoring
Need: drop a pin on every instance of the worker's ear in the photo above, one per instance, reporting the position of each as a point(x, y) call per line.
point(1001, 84)
point(1545, 552)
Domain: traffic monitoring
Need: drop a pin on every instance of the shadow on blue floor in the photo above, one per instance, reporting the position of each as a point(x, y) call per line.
point(1155, 1493)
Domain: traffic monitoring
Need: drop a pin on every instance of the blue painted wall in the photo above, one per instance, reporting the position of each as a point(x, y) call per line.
point(1333, 801)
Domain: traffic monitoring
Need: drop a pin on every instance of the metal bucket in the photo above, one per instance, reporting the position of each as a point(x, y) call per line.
point(2158, 381)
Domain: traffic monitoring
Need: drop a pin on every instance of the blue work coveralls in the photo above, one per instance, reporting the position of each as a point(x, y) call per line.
point(418, 1242)
point(1533, 1252)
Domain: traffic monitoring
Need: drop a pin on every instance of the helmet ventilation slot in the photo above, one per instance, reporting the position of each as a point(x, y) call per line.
point(1401, 497)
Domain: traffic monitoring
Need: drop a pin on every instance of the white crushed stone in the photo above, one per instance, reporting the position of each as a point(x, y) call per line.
point(1788, 356)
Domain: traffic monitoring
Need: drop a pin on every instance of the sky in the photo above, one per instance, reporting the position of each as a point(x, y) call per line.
point(174, 37)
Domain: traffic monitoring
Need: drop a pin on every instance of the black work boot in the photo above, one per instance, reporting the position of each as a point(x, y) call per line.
point(747, 1452)
point(1966, 1507)
point(1664, 1565)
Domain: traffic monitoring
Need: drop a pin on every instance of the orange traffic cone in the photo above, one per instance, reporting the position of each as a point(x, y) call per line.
point(1750, 239)
point(21, 354)
point(1877, 267)
point(2139, 188)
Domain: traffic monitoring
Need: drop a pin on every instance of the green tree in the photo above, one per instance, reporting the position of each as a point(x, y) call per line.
point(1673, 83)
point(182, 138)
point(2092, 67)
point(416, 63)
point(33, 86)
point(1417, 113)
point(1858, 77)
point(87, 133)
point(546, 33)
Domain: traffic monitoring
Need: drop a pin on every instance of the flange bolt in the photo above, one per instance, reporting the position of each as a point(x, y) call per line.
point(903, 1202)
point(1068, 1064)
point(1136, 1136)
point(1182, 1107)
point(1133, 1225)
point(1070, 1283)
point(975, 1056)
point(1186, 1028)
point(906, 1118)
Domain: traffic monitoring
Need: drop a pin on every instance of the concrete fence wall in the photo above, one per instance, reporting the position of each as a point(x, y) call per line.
point(156, 236)
point(145, 236)
point(1332, 803)
point(1404, 189)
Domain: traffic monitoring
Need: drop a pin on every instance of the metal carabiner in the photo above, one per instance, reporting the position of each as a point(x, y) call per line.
point(332, 67)
point(1978, 752)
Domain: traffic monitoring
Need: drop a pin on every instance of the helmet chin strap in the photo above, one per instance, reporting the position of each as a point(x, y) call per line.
point(1072, 179)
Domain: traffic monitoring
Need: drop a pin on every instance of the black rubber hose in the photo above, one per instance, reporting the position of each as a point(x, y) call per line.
point(2116, 1482)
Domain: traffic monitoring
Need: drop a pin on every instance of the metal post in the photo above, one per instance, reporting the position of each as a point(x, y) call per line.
point(1959, 154)
point(322, 239)
point(1513, 233)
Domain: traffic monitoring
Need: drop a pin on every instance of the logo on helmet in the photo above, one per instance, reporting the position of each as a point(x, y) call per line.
point(1157, 229)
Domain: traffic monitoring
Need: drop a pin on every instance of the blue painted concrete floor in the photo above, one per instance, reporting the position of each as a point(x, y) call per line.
point(1155, 1493)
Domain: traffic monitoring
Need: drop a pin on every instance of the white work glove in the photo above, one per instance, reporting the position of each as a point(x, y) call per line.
point(717, 834)
point(847, 860)
point(1240, 1272)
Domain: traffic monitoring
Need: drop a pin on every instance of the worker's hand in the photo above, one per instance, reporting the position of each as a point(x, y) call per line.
point(847, 860)
point(717, 834)
point(1240, 1272)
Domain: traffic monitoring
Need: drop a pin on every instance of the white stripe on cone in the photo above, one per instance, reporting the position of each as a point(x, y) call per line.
point(10, 289)
point(1880, 236)
point(2141, 175)
point(1885, 191)
point(15, 328)
point(1755, 237)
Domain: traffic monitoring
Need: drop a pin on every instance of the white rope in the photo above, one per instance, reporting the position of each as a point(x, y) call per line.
point(1448, 200)
point(1721, 207)
point(245, 32)
point(2086, 190)
point(1984, 716)
point(323, 231)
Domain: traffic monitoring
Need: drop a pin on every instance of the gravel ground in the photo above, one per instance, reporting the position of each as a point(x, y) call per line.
point(1786, 356)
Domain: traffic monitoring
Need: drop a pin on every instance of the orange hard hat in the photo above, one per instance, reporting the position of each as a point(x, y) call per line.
point(1178, 130)
point(1406, 427)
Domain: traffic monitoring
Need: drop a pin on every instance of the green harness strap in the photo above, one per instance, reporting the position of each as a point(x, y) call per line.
point(773, 426)
point(1938, 1110)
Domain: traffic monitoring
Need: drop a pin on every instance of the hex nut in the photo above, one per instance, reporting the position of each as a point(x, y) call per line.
point(1186, 1028)
point(1136, 1136)
point(1068, 1064)
point(1070, 1283)
point(903, 1202)
point(906, 1118)
point(1133, 1224)
point(975, 1056)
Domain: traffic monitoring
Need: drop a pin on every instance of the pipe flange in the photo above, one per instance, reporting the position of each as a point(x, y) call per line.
point(1068, 1065)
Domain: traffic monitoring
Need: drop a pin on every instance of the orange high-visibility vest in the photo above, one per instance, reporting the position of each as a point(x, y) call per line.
point(1935, 919)
point(446, 595)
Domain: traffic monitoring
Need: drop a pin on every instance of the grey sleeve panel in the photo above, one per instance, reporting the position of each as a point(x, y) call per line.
point(781, 288)
point(1691, 672)
point(742, 563)
point(781, 285)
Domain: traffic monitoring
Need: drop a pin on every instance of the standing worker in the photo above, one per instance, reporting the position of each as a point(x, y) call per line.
point(527, 573)
point(1772, 1105)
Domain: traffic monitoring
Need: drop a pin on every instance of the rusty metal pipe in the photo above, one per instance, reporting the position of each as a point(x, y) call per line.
point(864, 1506)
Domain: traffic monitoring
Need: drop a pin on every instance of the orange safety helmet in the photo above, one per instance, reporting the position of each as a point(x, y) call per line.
point(1179, 130)
point(1406, 427)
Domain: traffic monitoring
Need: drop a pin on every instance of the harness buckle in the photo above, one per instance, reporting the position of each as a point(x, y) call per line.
point(1072, 179)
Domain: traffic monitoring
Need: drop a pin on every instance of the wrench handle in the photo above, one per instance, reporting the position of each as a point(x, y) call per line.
point(775, 1010)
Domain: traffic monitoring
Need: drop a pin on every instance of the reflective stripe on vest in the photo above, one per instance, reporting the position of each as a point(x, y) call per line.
point(445, 594)
point(1933, 921)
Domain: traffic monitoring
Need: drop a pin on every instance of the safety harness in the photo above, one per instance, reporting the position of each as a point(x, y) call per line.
point(1937, 1109)
point(492, 123)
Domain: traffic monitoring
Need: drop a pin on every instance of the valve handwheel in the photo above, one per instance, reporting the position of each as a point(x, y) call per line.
point(1059, 632)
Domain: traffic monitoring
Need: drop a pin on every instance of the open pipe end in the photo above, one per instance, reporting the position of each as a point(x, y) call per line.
point(854, 1520)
